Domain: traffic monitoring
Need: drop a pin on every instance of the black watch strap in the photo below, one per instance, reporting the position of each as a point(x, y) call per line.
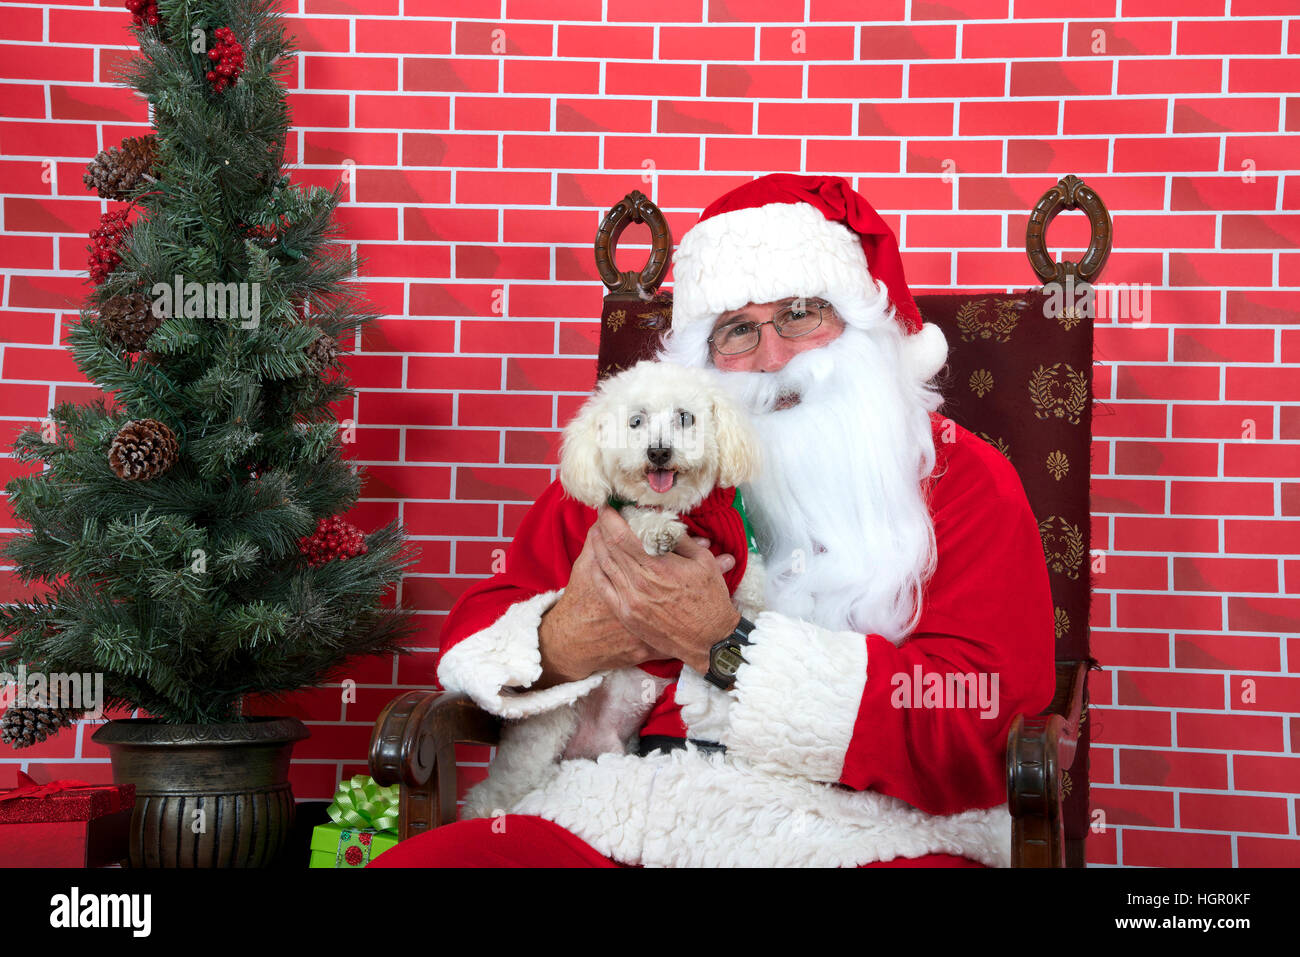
point(725, 656)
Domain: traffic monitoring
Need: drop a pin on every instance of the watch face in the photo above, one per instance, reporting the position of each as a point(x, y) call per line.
point(727, 661)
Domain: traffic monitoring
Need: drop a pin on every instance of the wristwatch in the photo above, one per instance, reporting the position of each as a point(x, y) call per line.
point(725, 657)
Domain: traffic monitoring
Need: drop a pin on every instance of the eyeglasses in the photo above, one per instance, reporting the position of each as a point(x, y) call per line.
point(797, 319)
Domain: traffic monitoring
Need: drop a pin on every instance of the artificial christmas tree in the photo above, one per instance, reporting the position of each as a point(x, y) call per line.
point(168, 520)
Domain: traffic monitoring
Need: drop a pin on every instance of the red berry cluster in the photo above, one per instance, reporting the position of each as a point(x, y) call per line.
point(105, 238)
point(269, 232)
point(334, 538)
point(143, 11)
point(227, 57)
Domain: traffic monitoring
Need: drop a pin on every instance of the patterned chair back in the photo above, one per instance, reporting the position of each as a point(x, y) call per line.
point(1019, 375)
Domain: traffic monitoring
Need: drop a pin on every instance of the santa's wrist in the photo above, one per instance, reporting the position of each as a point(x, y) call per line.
point(550, 631)
point(713, 636)
point(500, 666)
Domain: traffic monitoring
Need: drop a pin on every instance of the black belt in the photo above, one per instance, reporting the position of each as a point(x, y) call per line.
point(664, 742)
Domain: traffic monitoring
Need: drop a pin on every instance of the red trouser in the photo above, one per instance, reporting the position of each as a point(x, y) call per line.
point(522, 840)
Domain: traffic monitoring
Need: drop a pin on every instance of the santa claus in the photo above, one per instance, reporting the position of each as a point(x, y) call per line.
point(861, 719)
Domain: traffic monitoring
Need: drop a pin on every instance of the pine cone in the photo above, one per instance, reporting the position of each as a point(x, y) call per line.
point(324, 351)
point(23, 727)
point(143, 449)
point(129, 320)
point(116, 173)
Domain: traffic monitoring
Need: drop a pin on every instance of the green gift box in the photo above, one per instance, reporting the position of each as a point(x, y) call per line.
point(365, 825)
point(333, 845)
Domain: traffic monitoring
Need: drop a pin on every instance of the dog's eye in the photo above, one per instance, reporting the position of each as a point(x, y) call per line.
point(635, 421)
point(686, 418)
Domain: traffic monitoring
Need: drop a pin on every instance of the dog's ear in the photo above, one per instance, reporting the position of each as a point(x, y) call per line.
point(581, 472)
point(739, 456)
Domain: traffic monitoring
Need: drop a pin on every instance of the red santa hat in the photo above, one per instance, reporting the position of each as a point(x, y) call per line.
point(787, 234)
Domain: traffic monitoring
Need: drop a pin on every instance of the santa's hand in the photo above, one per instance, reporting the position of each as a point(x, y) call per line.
point(677, 603)
point(581, 634)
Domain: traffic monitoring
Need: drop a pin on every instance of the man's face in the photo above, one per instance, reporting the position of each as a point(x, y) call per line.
point(773, 351)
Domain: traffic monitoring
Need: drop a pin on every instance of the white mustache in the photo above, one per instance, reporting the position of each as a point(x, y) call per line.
point(803, 375)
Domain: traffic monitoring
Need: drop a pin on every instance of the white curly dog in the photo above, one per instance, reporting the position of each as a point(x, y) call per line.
point(657, 438)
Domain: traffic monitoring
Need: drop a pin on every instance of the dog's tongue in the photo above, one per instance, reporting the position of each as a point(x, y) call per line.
point(661, 480)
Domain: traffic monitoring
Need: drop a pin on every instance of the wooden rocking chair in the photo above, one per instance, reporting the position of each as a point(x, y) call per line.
point(1019, 375)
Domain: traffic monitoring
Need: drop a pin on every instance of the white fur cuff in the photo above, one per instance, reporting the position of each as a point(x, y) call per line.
point(506, 655)
point(797, 697)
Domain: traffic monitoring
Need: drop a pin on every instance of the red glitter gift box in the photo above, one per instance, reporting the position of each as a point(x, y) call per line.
point(64, 823)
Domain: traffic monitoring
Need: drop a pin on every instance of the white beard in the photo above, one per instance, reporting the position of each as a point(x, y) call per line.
point(839, 511)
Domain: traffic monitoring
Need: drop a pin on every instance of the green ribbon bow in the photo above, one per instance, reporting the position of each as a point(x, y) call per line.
point(362, 803)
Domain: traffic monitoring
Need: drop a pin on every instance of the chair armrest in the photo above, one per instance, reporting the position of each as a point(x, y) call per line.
point(1038, 749)
point(414, 745)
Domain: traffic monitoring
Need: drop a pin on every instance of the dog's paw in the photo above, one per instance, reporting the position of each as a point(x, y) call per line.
point(666, 537)
point(659, 531)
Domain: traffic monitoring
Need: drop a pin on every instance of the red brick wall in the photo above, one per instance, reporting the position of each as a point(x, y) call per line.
point(483, 143)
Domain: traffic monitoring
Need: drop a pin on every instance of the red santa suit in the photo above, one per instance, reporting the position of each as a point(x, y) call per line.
point(834, 756)
point(841, 748)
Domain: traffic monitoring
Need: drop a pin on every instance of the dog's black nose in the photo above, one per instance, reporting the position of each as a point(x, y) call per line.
point(659, 456)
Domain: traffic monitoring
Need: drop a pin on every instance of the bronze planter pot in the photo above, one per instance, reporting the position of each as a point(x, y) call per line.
point(237, 774)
